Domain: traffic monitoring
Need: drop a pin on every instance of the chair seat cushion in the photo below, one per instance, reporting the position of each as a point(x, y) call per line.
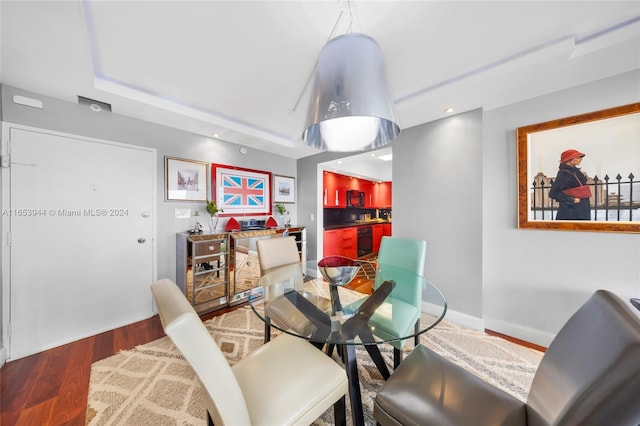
point(306, 380)
point(427, 389)
point(392, 319)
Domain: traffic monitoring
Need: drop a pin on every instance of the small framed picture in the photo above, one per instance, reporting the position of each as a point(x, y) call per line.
point(284, 189)
point(185, 180)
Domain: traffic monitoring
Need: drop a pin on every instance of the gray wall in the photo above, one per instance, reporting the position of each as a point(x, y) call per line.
point(79, 120)
point(437, 197)
point(3, 354)
point(310, 196)
point(76, 119)
point(454, 185)
point(534, 279)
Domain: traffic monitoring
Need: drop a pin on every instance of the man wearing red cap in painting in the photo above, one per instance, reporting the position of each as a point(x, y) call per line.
point(570, 188)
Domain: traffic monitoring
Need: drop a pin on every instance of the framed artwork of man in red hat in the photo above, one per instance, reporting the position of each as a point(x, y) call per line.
point(581, 173)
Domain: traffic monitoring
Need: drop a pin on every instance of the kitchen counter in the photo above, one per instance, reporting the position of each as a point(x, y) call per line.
point(356, 223)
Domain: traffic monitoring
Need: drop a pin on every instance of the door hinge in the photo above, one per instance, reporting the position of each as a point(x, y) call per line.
point(5, 160)
point(9, 331)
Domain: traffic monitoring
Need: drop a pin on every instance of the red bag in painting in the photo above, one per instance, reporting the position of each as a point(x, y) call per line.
point(578, 192)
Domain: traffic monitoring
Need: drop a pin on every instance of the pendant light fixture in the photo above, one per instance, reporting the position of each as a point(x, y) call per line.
point(350, 107)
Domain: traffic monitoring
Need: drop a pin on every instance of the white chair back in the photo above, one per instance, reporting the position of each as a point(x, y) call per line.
point(275, 252)
point(223, 396)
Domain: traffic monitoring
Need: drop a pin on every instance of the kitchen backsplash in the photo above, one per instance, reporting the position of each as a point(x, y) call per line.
point(344, 216)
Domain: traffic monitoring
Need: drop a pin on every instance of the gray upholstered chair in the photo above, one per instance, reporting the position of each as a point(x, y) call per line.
point(286, 381)
point(589, 375)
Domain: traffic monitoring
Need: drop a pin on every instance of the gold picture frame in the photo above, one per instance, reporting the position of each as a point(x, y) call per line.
point(610, 138)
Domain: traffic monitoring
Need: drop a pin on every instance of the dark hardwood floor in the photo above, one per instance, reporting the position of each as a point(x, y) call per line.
point(51, 387)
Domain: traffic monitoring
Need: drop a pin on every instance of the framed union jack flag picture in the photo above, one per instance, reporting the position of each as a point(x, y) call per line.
point(241, 191)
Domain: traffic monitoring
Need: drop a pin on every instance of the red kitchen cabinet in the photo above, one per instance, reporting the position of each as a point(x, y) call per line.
point(335, 188)
point(332, 243)
point(336, 185)
point(352, 183)
point(333, 184)
point(377, 231)
point(341, 242)
point(350, 242)
point(386, 229)
point(367, 186)
point(381, 195)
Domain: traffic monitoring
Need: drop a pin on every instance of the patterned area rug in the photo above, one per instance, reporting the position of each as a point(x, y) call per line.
point(152, 385)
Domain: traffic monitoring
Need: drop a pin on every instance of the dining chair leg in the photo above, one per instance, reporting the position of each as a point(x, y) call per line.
point(267, 329)
point(340, 412)
point(416, 328)
point(397, 357)
point(318, 345)
point(329, 349)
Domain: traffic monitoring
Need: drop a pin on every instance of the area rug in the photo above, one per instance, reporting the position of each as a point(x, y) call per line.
point(152, 385)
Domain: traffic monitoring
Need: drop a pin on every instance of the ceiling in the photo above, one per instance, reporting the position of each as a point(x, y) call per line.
point(242, 70)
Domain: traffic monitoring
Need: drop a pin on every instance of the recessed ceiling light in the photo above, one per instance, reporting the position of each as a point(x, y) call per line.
point(448, 110)
point(386, 157)
point(215, 135)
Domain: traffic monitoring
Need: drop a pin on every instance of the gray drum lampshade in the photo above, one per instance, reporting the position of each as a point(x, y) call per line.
point(350, 107)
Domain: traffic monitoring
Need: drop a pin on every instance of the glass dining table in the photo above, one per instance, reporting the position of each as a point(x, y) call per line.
point(313, 302)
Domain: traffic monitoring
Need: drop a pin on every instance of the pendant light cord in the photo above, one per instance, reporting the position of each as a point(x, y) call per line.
point(313, 70)
point(350, 27)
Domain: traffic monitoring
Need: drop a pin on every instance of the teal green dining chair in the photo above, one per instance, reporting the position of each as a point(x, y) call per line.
point(401, 260)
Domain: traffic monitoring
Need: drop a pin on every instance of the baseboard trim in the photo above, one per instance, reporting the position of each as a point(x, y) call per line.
point(71, 339)
point(527, 334)
point(459, 318)
point(516, 340)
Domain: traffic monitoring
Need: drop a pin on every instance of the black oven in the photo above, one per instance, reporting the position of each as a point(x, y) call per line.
point(365, 240)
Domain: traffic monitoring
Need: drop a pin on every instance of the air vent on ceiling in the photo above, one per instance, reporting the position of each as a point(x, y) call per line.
point(94, 105)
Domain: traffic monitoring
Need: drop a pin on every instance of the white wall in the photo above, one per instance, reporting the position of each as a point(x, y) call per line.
point(534, 279)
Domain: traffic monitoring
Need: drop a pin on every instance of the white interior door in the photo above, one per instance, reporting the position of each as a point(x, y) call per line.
point(81, 238)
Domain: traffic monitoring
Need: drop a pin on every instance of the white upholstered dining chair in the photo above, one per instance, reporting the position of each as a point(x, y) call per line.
point(285, 382)
point(274, 253)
